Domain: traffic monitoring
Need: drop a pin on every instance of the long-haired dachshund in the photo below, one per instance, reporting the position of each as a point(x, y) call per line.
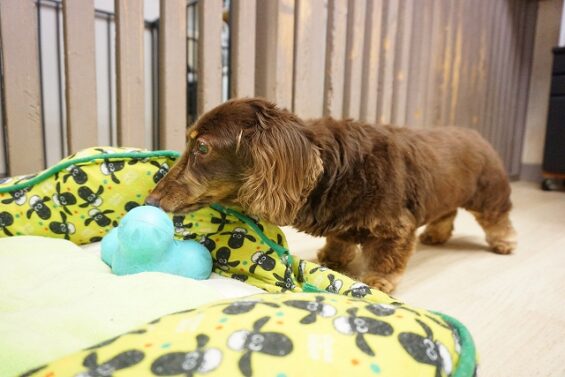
point(354, 183)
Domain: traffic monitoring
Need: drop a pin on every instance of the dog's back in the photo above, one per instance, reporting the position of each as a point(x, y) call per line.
point(453, 167)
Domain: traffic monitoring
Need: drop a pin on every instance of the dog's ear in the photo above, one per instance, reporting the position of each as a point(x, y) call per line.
point(285, 165)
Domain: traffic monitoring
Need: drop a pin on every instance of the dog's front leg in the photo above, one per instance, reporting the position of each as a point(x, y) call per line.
point(385, 259)
point(336, 253)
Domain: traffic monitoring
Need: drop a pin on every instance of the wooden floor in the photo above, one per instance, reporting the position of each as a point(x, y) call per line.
point(513, 305)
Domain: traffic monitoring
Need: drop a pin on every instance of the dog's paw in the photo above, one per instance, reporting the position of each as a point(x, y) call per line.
point(379, 282)
point(338, 264)
point(503, 247)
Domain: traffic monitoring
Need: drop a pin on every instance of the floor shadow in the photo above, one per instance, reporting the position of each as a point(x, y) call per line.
point(424, 254)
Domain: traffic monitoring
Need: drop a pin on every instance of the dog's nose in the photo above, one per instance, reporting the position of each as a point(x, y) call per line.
point(152, 200)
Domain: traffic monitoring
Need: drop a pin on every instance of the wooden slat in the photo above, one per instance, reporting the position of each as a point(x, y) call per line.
point(354, 58)
point(388, 50)
point(80, 71)
point(503, 124)
point(371, 64)
point(474, 61)
point(448, 62)
point(435, 74)
point(487, 55)
point(450, 102)
point(518, 19)
point(3, 164)
point(310, 55)
point(494, 127)
point(172, 74)
point(402, 64)
point(275, 51)
point(25, 152)
point(130, 73)
point(242, 32)
point(526, 58)
point(335, 58)
point(419, 64)
point(209, 55)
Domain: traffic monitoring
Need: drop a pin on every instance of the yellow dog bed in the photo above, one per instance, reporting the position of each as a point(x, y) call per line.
point(283, 335)
point(83, 196)
point(356, 330)
point(319, 323)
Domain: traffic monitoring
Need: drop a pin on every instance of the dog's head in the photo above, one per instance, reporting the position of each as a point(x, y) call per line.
point(245, 152)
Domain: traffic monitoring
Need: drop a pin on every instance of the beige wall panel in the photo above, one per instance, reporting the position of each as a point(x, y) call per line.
point(354, 58)
point(243, 23)
point(172, 74)
point(335, 58)
point(130, 74)
point(310, 55)
point(80, 71)
point(275, 51)
point(23, 130)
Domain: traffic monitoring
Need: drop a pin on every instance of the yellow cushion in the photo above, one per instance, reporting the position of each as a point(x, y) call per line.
point(82, 197)
point(291, 334)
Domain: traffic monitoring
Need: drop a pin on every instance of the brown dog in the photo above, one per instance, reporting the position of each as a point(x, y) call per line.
point(351, 182)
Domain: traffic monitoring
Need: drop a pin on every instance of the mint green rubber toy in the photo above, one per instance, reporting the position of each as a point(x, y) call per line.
point(143, 241)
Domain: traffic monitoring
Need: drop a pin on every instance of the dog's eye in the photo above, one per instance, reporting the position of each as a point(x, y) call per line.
point(202, 148)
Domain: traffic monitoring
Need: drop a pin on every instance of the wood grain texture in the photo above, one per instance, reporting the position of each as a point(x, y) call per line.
point(354, 58)
point(419, 66)
point(209, 55)
point(335, 58)
point(172, 75)
point(243, 23)
point(371, 62)
point(80, 74)
point(388, 56)
point(309, 57)
point(21, 87)
point(130, 75)
point(275, 51)
point(402, 64)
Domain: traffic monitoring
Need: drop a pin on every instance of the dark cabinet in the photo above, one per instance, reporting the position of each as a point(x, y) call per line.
point(554, 151)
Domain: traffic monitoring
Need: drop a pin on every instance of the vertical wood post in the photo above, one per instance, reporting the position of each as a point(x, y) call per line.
point(130, 74)
point(172, 74)
point(80, 72)
point(20, 60)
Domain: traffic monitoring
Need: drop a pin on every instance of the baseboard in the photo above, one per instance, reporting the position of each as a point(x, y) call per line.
point(531, 173)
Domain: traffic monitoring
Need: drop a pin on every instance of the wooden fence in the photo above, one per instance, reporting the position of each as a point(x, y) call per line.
point(416, 63)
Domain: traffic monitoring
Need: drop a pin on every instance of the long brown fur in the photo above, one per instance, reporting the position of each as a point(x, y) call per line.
point(354, 183)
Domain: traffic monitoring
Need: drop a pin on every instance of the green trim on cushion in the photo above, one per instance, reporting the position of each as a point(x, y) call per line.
point(65, 164)
point(281, 251)
point(311, 288)
point(468, 356)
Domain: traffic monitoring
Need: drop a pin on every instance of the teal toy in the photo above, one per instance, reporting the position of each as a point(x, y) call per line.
point(143, 241)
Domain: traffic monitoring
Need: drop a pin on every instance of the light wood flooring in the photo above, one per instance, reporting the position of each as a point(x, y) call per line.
point(513, 305)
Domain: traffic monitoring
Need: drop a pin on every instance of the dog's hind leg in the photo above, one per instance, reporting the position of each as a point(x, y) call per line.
point(336, 253)
point(500, 233)
point(438, 231)
point(491, 207)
